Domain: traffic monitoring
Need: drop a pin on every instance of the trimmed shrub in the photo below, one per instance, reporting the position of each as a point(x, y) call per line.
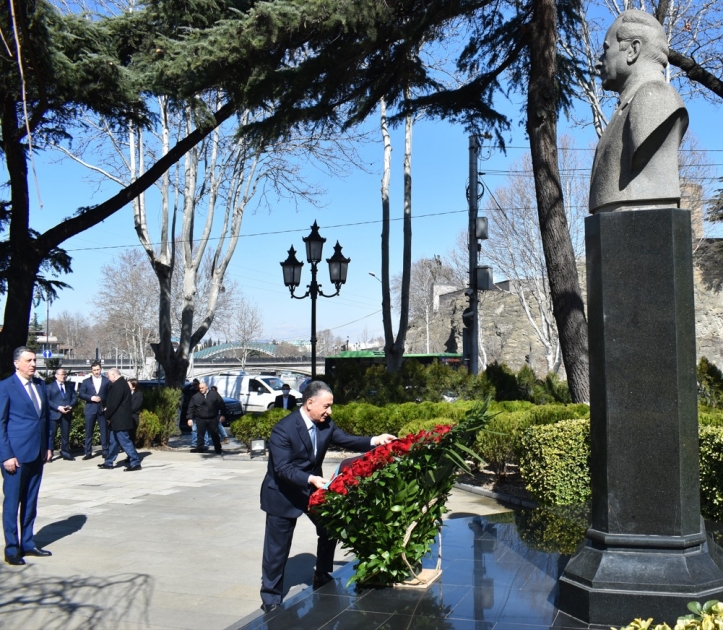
point(555, 462)
point(711, 472)
point(496, 444)
point(549, 414)
point(150, 429)
point(165, 404)
point(252, 426)
point(503, 380)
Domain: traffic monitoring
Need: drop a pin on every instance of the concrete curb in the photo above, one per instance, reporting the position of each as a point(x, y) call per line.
point(498, 496)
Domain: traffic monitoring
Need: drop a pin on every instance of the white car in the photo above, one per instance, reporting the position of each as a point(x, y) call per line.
point(257, 392)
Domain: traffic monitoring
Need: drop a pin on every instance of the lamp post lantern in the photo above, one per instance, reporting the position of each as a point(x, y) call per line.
point(338, 267)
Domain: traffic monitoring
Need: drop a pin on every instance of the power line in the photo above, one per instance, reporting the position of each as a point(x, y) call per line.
point(274, 233)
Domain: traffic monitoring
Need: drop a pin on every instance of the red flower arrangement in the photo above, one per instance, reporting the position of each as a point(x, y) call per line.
point(369, 463)
point(386, 506)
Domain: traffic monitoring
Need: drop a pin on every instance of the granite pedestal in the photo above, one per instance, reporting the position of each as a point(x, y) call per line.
point(646, 553)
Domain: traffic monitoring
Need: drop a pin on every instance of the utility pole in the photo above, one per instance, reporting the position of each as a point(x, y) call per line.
point(470, 334)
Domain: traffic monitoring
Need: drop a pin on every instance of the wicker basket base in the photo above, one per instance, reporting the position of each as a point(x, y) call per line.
point(425, 578)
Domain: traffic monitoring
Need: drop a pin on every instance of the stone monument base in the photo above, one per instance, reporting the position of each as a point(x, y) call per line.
point(617, 585)
point(646, 554)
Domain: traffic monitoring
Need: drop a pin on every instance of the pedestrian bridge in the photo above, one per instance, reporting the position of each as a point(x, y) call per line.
point(268, 349)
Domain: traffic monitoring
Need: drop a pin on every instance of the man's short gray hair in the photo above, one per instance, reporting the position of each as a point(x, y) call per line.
point(313, 389)
point(115, 371)
point(19, 351)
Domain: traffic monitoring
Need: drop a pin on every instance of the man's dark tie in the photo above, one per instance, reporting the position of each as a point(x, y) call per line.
point(34, 397)
point(62, 389)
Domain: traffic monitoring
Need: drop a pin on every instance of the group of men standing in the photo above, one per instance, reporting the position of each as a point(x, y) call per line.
point(30, 414)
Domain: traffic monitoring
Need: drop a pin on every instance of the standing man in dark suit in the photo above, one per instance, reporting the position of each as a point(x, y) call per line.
point(119, 412)
point(25, 445)
point(286, 400)
point(94, 391)
point(297, 448)
point(61, 400)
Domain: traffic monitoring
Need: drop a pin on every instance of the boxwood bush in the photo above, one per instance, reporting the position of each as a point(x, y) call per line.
point(711, 472)
point(252, 426)
point(555, 462)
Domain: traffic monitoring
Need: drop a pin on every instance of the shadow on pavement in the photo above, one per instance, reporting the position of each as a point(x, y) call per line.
point(30, 600)
point(60, 529)
point(299, 570)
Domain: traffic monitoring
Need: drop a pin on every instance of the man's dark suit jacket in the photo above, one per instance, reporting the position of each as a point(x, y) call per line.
point(279, 402)
point(23, 435)
point(57, 399)
point(285, 490)
point(118, 408)
point(87, 390)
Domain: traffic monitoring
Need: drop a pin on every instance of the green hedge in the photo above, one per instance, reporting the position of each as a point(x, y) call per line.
point(555, 462)
point(499, 445)
point(252, 426)
point(711, 472)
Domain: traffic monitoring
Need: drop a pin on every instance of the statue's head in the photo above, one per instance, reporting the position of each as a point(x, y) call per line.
point(635, 42)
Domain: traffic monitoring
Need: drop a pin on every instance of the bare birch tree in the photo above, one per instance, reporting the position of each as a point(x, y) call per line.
point(246, 325)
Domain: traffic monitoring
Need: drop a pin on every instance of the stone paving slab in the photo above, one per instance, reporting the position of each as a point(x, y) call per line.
point(175, 546)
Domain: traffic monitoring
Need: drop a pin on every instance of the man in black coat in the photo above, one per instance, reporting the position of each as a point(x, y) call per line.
point(119, 413)
point(297, 447)
point(204, 408)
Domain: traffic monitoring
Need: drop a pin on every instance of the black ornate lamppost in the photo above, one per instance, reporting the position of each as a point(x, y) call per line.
point(338, 266)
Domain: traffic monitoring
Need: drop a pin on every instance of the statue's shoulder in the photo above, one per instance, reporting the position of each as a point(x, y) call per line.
point(655, 95)
point(654, 104)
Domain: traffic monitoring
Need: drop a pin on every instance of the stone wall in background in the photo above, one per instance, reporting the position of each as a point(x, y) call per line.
point(508, 337)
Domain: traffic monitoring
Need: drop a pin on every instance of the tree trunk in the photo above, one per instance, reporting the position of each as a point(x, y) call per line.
point(542, 105)
point(27, 255)
point(24, 259)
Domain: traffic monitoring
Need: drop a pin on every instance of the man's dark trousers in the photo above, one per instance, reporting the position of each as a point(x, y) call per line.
point(277, 546)
point(90, 419)
point(25, 482)
point(210, 424)
point(65, 421)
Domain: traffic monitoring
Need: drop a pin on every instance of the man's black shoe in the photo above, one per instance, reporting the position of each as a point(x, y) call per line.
point(220, 451)
point(16, 560)
point(267, 608)
point(69, 458)
point(133, 468)
point(40, 553)
point(105, 467)
point(320, 579)
point(87, 456)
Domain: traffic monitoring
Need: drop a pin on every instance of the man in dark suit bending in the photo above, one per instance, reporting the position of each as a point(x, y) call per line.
point(25, 446)
point(297, 448)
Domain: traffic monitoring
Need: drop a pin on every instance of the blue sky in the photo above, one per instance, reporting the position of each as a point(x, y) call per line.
point(351, 213)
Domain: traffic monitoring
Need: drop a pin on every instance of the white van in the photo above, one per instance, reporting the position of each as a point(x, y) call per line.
point(257, 392)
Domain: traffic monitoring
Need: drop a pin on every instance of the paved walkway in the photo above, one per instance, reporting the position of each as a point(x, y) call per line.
point(176, 545)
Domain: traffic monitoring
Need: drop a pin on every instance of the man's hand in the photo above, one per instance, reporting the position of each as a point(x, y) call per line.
point(11, 465)
point(190, 423)
point(384, 438)
point(49, 457)
point(95, 399)
point(318, 482)
point(222, 419)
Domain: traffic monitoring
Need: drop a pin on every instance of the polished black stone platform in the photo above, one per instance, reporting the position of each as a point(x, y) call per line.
point(499, 572)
